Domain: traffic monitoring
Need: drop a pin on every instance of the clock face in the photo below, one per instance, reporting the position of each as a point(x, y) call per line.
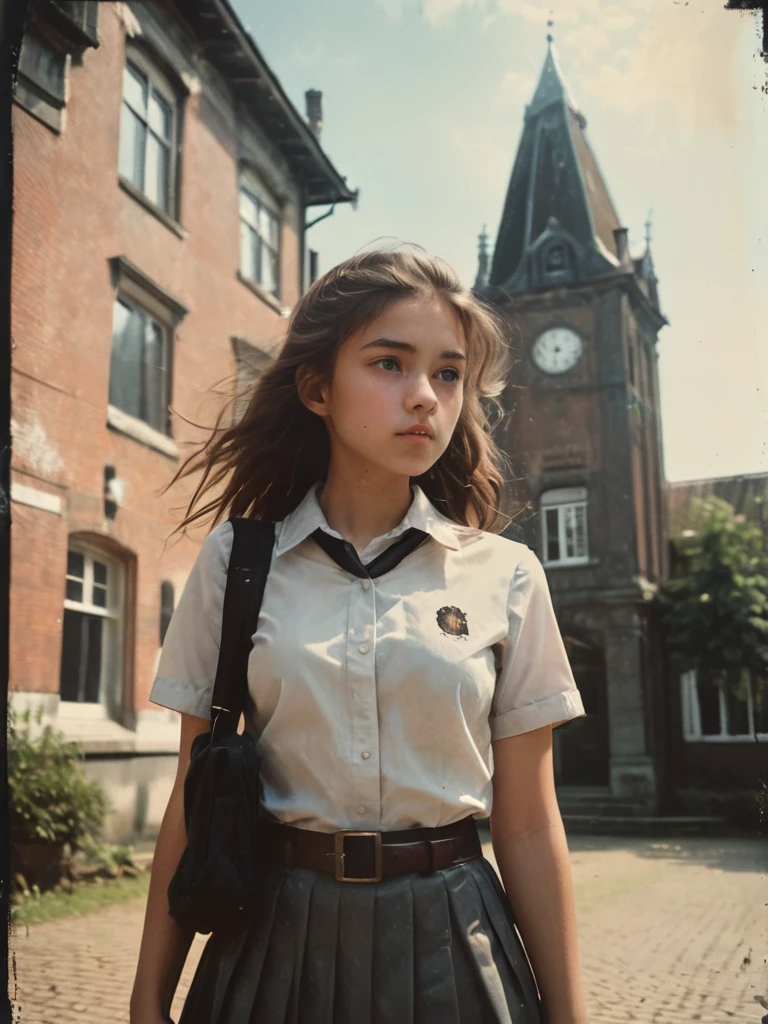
point(557, 350)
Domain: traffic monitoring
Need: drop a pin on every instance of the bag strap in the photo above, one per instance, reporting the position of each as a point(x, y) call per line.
point(246, 579)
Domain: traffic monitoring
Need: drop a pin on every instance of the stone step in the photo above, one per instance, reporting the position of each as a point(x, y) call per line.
point(645, 825)
point(604, 808)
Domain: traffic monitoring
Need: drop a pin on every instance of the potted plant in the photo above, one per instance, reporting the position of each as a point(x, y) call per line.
point(52, 803)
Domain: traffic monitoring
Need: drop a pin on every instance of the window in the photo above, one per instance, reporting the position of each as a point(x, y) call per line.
point(139, 370)
point(44, 66)
point(564, 526)
point(91, 662)
point(82, 17)
point(166, 608)
point(259, 238)
point(631, 351)
point(555, 260)
point(144, 322)
point(40, 85)
point(147, 132)
point(714, 713)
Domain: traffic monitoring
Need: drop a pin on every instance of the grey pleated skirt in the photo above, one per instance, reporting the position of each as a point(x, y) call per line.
point(433, 948)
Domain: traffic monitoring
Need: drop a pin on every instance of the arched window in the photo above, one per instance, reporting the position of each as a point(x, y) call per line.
point(564, 526)
point(91, 670)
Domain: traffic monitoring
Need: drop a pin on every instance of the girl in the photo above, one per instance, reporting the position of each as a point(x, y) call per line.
point(402, 696)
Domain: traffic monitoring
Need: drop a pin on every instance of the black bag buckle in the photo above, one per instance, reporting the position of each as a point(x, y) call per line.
point(339, 839)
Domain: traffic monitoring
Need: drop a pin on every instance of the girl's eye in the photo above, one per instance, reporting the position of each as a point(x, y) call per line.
point(391, 363)
point(456, 376)
point(386, 359)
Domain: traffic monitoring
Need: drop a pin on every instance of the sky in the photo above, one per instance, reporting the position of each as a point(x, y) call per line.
point(423, 104)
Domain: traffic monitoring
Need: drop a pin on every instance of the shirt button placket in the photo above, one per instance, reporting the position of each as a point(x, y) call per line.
point(365, 726)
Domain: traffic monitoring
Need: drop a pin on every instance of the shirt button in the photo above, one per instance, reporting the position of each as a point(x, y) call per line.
point(363, 648)
point(365, 755)
point(361, 809)
point(366, 584)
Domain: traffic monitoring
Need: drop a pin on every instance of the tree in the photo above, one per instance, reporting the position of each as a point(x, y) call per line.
point(715, 609)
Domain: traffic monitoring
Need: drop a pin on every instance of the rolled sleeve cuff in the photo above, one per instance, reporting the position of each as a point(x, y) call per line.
point(551, 711)
point(179, 695)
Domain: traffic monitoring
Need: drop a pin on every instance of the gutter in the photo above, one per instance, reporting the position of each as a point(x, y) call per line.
point(292, 116)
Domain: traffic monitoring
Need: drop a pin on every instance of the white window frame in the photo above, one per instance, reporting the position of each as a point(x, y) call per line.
point(255, 191)
point(112, 669)
point(156, 85)
point(689, 696)
point(566, 501)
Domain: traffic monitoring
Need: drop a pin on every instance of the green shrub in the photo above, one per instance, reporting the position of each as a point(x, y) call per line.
point(108, 857)
point(742, 808)
point(51, 800)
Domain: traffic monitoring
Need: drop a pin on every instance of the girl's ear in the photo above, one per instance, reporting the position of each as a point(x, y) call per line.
point(311, 390)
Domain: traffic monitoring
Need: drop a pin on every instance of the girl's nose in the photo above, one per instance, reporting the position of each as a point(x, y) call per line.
point(421, 393)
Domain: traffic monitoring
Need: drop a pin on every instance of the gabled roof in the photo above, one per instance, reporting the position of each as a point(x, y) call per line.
point(555, 175)
point(230, 48)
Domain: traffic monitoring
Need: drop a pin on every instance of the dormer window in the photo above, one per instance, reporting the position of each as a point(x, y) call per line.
point(556, 259)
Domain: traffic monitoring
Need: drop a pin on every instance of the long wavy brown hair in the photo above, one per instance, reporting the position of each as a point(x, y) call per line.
point(262, 465)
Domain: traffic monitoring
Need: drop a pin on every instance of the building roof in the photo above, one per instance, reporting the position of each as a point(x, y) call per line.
point(229, 47)
point(738, 491)
point(555, 175)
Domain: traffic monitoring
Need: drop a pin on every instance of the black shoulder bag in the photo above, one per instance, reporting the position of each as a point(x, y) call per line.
point(213, 886)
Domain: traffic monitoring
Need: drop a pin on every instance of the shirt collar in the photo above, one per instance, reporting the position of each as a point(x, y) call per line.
point(307, 516)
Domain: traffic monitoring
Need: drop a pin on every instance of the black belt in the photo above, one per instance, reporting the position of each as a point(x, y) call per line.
point(353, 855)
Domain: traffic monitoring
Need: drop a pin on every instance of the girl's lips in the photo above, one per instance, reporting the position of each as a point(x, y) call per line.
point(416, 437)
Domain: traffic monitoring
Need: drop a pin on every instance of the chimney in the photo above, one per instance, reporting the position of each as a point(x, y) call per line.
point(620, 238)
point(314, 100)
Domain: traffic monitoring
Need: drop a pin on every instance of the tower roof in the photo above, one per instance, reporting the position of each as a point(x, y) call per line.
point(555, 182)
point(552, 87)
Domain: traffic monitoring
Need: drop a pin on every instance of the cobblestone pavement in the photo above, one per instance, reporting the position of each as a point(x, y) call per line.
point(671, 931)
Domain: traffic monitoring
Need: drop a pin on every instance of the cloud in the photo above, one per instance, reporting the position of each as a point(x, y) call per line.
point(436, 10)
point(459, 140)
point(535, 12)
point(583, 44)
point(520, 83)
point(432, 11)
point(667, 63)
point(538, 12)
point(394, 8)
point(615, 19)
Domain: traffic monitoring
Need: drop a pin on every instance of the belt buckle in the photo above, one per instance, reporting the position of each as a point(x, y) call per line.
point(338, 850)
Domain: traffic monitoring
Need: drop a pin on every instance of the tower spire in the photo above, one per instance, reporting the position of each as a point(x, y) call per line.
point(555, 175)
point(481, 281)
point(648, 230)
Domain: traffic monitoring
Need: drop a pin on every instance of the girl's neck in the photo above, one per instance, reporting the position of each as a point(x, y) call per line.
point(360, 508)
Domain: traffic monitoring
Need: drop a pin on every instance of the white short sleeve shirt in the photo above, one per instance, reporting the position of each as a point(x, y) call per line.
point(375, 702)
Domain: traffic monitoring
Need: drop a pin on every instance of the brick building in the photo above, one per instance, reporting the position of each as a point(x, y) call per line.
point(584, 436)
point(162, 185)
point(716, 740)
point(583, 430)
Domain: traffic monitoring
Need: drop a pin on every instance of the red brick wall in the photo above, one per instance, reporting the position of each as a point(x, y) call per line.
point(548, 420)
point(70, 217)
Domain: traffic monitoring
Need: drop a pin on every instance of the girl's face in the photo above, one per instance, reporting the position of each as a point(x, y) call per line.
point(401, 374)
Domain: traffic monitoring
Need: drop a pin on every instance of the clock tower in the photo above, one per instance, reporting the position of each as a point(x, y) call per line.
point(583, 434)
